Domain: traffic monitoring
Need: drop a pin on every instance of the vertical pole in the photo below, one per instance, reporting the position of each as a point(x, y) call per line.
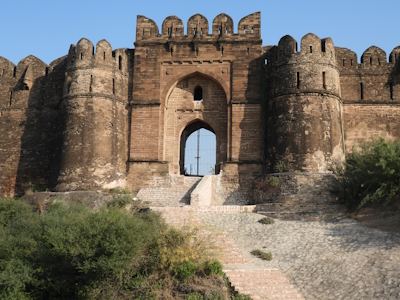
point(198, 150)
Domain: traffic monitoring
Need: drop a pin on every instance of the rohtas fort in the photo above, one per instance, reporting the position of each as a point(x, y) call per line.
point(102, 118)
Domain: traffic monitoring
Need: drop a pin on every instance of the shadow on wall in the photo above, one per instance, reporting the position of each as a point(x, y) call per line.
point(40, 154)
point(246, 136)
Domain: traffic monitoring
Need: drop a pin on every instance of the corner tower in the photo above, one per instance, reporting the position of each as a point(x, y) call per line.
point(94, 105)
point(303, 108)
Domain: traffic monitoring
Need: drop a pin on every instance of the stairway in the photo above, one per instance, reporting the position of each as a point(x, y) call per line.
point(257, 282)
point(261, 283)
point(176, 195)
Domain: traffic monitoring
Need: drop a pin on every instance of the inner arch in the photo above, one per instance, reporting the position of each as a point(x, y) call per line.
point(207, 137)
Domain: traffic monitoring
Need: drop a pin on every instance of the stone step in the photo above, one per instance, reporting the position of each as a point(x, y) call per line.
point(176, 195)
point(261, 283)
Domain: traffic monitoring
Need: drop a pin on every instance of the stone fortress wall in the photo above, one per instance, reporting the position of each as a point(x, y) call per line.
point(103, 118)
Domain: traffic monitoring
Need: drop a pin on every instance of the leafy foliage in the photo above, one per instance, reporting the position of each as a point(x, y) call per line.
point(274, 181)
point(370, 174)
point(261, 254)
point(266, 220)
point(73, 252)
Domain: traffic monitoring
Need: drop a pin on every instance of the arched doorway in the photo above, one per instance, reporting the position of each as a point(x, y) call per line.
point(198, 150)
point(196, 102)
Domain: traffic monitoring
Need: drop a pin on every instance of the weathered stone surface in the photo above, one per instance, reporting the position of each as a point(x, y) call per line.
point(104, 118)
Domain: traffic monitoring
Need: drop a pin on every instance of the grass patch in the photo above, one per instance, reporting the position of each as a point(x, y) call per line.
point(262, 255)
point(266, 220)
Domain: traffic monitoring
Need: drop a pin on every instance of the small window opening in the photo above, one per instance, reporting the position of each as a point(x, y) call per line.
point(171, 50)
point(198, 94)
point(47, 71)
point(362, 59)
point(391, 91)
point(15, 71)
point(146, 53)
point(113, 87)
point(11, 94)
point(370, 60)
point(69, 87)
point(226, 31)
point(298, 80)
point(201, 31)
point(343, 62)
point(323, 80)
point(252, 31)
point(351, 62)
point(395, 57)
point(194, 31)
point(93, 50)
point(266, 61)
point(331, 54)
point(310, 49)
point(222, 50)
point(104, 56)
point(91, 81)
point(379, 61)
point(295, 50)
point(323, 46)
point(244, 30)
point(2, 74)
point(120, 62)
point(248, 50)
point(361, 91)
point(81, 55)
point(219, 31)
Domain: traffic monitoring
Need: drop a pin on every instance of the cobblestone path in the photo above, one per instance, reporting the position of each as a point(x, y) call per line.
point(336, 260)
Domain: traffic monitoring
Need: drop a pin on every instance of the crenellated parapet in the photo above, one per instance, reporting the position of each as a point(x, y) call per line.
point(198, 27)
point(98, 71)
point(374, 80)
point(311, 69)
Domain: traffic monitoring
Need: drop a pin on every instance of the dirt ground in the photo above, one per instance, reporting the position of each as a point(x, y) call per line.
point(385, 218)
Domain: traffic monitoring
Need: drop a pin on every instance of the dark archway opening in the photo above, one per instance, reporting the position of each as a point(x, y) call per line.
point(198, 93)
point(198, 150)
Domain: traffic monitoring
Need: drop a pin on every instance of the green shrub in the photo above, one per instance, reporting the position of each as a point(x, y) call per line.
point(185, 270)
point(280, 166)
point(274, 181)
point(261, 254)
point(266, 220)
point(370, 174)
point(213, 267)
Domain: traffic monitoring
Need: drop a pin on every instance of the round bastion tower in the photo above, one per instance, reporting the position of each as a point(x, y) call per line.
point(94, 105)
point(304, 119)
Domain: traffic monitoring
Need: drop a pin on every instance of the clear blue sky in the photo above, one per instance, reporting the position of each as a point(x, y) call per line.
point(46, 28)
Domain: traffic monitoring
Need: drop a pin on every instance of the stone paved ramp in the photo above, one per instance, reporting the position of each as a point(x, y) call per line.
point(323, 260)
point(245, 277)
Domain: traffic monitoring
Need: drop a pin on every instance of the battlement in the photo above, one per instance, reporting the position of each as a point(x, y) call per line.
point(313, 50)
point(84, 55)
point(198, 28)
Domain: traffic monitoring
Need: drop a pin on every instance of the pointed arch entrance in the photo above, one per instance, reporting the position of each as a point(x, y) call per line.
point(192, 128)
point(184, 113)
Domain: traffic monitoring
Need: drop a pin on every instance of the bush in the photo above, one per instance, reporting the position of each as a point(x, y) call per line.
point(213, 268)
point(266, 220)
point(370, 174)
point(261, 254)
point(185, 270)
point(274, 181)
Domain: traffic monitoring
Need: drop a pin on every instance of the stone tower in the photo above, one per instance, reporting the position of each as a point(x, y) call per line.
point(95, 99)
point(303, 110)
